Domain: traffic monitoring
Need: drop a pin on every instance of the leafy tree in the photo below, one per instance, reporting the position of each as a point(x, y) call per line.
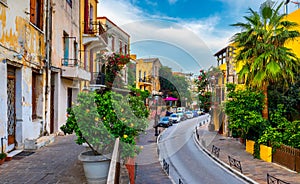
point(261, 48)
point(203, 95)
point(244, 111)
point(281, 131)
point(173, 85)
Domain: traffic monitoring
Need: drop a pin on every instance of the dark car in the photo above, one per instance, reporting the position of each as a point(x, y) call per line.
point(164, 122)
point(195, 114)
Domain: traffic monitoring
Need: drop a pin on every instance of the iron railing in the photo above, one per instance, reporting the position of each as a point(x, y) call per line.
point(70, 62)
point(274, 180)
point(98, 78)
point(145, 80)
point(96, 28)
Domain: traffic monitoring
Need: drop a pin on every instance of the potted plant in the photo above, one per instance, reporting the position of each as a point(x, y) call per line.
point(84, 120)
point(2, 157)
point(99, 118)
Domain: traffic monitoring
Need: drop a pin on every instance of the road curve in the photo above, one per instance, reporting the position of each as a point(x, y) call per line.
point(188, 163)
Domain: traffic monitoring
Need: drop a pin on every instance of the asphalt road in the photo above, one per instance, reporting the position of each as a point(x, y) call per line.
point(187, 163)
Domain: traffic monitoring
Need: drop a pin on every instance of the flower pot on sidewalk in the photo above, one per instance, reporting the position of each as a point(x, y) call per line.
point(95, 167)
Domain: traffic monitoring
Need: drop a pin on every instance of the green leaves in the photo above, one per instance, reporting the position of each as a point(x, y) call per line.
point(262, 45)
point(99, 118)
point(244, 111)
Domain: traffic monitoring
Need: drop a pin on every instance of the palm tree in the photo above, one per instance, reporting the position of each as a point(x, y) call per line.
point(262, 51)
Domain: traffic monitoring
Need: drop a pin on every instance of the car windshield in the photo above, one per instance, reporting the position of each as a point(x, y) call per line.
point(173, 115)
point(165, 119)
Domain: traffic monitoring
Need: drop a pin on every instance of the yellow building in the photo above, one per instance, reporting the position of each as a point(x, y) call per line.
point(147, 74)
point(295, 45)
point(225, 62)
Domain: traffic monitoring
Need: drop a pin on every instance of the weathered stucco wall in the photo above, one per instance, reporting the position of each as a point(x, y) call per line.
point(22, 45)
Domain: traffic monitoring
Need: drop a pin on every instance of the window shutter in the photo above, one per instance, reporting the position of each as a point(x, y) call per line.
point(41, 22)
point(32, 11)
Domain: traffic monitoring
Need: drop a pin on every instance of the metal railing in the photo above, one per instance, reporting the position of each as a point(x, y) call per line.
point(98, 78)
point(236, 163)
point(274, 180)
point(215, 150)
point(93, 27)
point(145, 80)
point(70, 62)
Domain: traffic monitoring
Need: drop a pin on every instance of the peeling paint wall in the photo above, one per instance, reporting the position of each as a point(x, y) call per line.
point(22, 45)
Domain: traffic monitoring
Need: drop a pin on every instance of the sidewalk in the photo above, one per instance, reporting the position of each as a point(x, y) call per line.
point(255, 169)
point(55, 163)
point(149, 170)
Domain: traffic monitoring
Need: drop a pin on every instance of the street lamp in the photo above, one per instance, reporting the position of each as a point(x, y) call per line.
point(156, 96)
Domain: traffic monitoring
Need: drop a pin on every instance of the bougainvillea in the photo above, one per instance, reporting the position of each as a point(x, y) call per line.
point(204, 95)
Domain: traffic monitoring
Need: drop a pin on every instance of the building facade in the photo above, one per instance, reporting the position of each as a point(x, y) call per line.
point(147, 74)
point(68, 70)
point(23, 66)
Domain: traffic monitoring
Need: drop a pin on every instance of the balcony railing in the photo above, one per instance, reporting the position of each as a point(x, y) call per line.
point(93, 27)
point(98, 78)
point(70, 62)
point(145, 80)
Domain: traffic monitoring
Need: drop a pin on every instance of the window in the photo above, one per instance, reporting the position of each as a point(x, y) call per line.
point(140, 75)
point(144, 76)
point(66, 47)
point(125, 49)
point(69, 2)
point(120, 45)
point(69, 97)
point(37, 12)
point(113, 43)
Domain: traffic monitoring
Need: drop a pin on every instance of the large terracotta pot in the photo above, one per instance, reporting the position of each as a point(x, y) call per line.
point(95, 167)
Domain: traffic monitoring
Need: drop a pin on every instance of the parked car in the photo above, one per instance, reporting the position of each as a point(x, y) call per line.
point(182, 116)
point(200, 112)
point(195, 113)
point(164, 122)
point(189, 114)
point(175, 118)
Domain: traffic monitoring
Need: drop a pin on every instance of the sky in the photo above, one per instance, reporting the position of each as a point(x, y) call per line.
point(183, 34)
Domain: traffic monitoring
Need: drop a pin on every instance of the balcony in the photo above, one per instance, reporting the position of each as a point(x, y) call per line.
point(94, 31)
point(97, 81)
point(145, 82)
point(72, 69)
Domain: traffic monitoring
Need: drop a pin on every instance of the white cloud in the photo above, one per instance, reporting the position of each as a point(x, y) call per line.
point(172, 1)
point(200, 38)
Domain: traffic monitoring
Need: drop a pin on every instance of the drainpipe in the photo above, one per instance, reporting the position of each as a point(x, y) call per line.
point(47, 63)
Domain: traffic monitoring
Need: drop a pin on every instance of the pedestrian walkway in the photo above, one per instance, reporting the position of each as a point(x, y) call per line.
point(254, 169)
point(149, 170)
point(55, 163)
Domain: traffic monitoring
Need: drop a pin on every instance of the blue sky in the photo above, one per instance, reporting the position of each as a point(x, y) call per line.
point(184, 34)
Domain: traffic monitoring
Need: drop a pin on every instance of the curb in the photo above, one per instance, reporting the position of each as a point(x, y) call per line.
point(160, 160)
point(225, 165)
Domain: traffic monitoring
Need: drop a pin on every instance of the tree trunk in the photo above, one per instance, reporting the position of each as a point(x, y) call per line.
point(265, 111)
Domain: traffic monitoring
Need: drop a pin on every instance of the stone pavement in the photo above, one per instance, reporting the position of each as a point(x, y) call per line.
point(149, 170)
point(55, 163)
point(254, 169)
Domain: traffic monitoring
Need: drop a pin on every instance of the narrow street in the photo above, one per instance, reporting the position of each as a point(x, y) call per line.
point(56, 163)
point(186, 161)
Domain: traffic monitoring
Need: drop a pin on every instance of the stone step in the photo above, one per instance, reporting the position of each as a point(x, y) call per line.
point(35, 144)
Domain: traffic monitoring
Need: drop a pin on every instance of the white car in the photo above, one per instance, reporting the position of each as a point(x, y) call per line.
point(189, 114)
point(174, 118)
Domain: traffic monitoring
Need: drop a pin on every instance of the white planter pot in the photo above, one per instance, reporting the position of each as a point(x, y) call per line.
point(95, 167)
